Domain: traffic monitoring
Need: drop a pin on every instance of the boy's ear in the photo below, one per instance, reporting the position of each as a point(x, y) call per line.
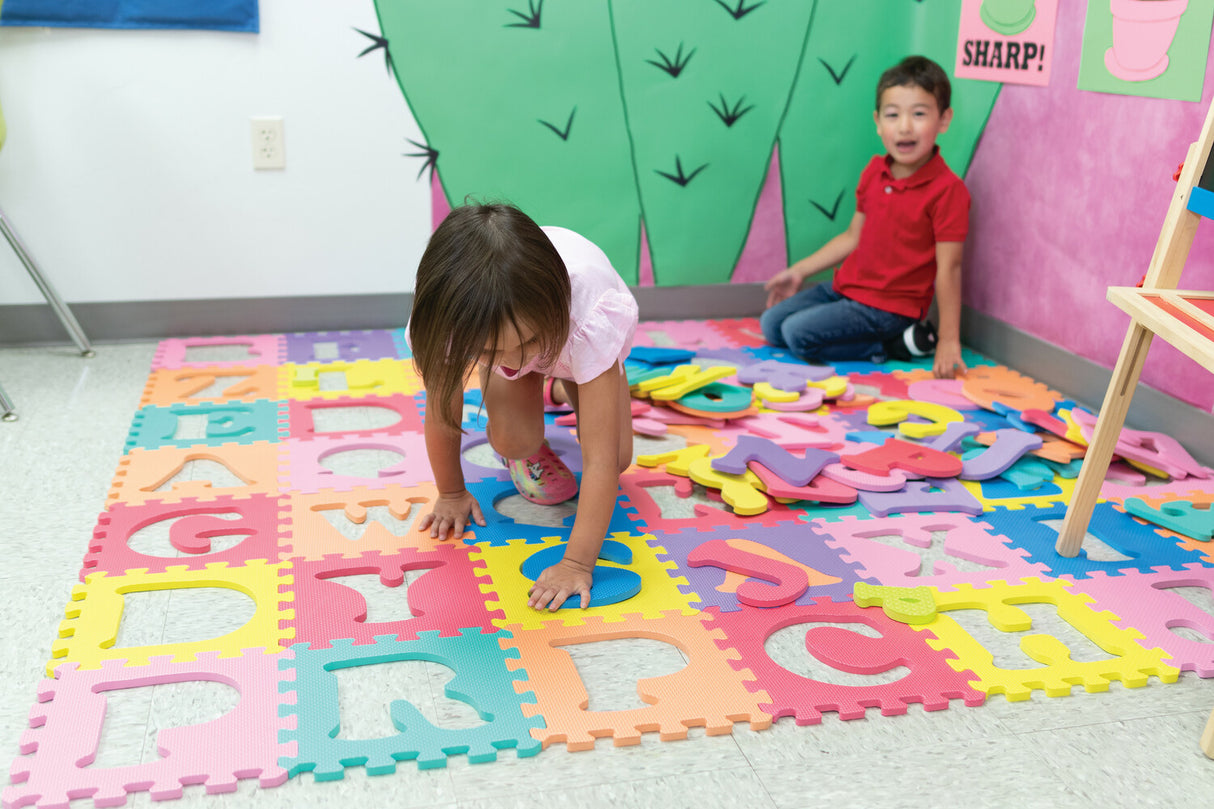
point(946, 119)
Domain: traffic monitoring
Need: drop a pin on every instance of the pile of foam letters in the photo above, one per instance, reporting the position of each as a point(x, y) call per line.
point(807, 495)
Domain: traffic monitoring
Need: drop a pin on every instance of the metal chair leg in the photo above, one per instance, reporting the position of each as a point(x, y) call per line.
point(52, 297)
point(6, 405)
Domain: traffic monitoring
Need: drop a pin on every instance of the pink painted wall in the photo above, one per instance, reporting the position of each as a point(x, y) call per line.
point(1070, 189)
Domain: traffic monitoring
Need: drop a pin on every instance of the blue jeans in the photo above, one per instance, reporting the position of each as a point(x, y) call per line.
point(821, 326)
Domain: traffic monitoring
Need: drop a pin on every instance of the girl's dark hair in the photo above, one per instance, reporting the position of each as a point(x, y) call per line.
point(486, 266)
point(918, 71)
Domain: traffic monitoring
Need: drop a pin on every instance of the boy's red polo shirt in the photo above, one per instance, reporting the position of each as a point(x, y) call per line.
point(893, 267)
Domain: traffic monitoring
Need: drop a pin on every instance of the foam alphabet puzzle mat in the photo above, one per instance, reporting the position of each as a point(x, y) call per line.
point(901, 528)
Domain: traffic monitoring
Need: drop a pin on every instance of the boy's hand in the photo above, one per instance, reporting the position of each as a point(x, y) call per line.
point(560, 581)
point(782, 286)
point(948, 363)
point(451, 514)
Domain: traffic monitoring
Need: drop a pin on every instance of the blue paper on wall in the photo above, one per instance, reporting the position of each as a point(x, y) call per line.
point(216, 15)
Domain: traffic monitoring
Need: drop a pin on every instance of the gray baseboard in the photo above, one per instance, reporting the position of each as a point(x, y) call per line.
point(35, 324)
point(1080, 379)
point(1086, 382)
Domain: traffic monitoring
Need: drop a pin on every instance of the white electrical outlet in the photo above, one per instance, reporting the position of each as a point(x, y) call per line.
point(269, 148)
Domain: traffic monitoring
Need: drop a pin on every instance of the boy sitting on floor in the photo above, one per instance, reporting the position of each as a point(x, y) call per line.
point(904, 241)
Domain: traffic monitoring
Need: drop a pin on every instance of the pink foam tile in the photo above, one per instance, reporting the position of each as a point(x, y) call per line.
point(264, 349)
point(1146, 602)
point(301, 415)
point(446, 598)
point(305, 469)
point(635, 483)
point(931, 682)
point(965, 539)
point(688, 334)
point(740, 332)
point(196, 524)
point(65, 730)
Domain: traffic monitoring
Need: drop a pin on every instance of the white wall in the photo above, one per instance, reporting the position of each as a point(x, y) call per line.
point(128, 169)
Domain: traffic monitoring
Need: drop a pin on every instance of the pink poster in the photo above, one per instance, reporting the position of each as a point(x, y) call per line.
point(1008, 41)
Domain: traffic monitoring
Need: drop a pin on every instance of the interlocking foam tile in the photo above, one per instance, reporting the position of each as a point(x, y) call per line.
point(150, 475)
point(660, 590)
point(362, 378)
point(263, 349)
point(306, 469)
point(1146, 550)
point(931, 681)
point(1004, 495)
point(445, 598)
point(225, 423)
point(196, 524)
point(301, 415)
point(1130, 662)
point(500, 529)
point(65, 731)
point(945, 392)
point(170, 386)
point(481, 680)
point(399, 339)
point(708, 692)
point(933, 494)
point(1194, 489)
point(1145, 602)
point(795, 544)
point(988, 384)
point(741, 332)
point(635, 485)
point(1179, 516)
point(303, 347)
point(88, 633)
point(964, 539)
point(306, 533)
point(692, 334)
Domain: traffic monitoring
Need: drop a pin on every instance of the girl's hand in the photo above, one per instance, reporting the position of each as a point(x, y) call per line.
point(451, 514)
point(783, 285)
point(560, 581)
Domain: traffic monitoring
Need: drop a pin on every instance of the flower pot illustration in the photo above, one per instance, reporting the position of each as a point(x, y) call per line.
point(1142, 33)
point(1008, 17)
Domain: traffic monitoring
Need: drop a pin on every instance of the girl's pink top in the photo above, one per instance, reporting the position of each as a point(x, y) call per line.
point(602, 313)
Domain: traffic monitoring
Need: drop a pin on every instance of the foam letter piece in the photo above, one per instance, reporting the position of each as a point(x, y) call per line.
point(945, 392)
point(1180, 516)
point(715, 397)
point(933, 494)
point(783, 375)
point(820, 490)
point(1009, 446)
point(907, 605)
point(788, 582)
point(952, 436)
point(692, 382)
point(1155, 450)
point(611, 584)
point(899, 454)
point(655, 355)
point(736, 490)
point(1044, 420)
point(764, 451)
point(1029, 474)
point(863, 481)
point(885, 413)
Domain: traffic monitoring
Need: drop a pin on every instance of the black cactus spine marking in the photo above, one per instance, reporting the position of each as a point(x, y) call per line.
point(838, 77)
point(377, 42)
point(672, 66)
point(431, 155)
point(742, 10)
point(529, 20)
point(730, 115)
point(563, 134)
point(679, 177)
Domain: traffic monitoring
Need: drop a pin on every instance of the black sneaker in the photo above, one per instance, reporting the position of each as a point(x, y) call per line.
point(918, 340)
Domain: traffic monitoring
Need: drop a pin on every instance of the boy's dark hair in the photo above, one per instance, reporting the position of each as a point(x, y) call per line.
point(918, 71)
point(485, 266)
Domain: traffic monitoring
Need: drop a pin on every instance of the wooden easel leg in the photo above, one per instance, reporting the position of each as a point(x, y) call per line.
point(1104, 439)
point(1207, 738)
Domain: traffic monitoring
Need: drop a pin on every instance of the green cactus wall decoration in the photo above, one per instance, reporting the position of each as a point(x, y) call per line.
point(599, 115)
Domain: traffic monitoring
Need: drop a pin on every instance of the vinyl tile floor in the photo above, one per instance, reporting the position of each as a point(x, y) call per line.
point(1121, 748)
